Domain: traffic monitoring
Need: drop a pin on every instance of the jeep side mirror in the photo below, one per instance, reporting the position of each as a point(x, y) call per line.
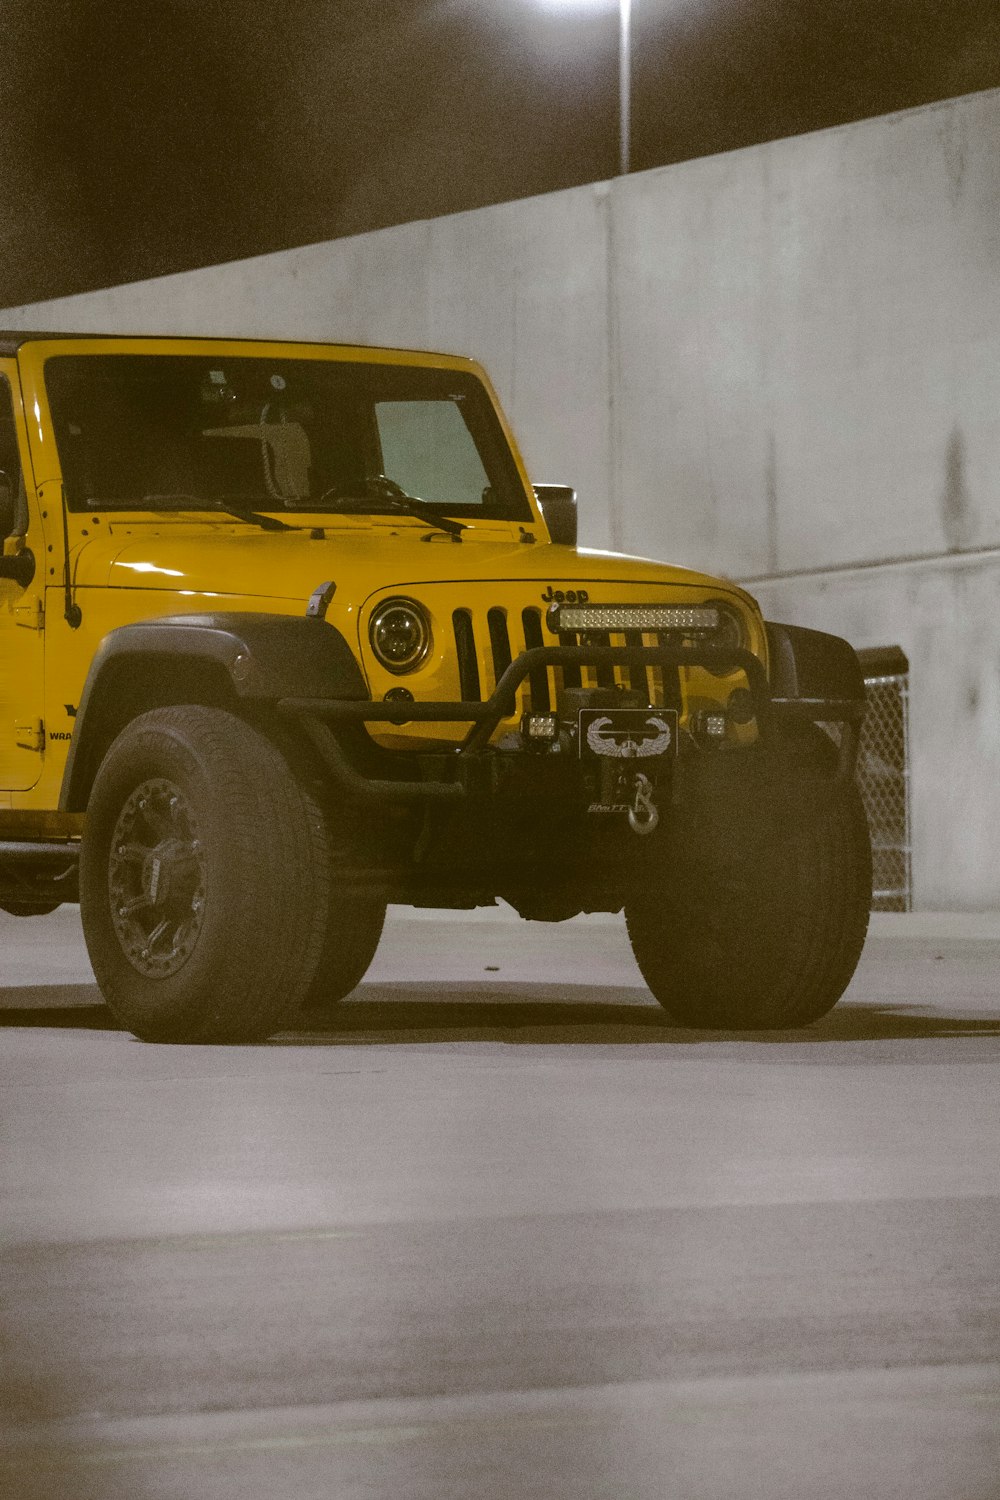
point(558, 503)
point(20, 567)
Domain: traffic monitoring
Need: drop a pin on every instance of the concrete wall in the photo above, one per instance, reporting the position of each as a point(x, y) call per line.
point(782, 364)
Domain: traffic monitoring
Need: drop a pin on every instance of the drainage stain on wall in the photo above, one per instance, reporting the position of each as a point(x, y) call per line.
point(957, 520)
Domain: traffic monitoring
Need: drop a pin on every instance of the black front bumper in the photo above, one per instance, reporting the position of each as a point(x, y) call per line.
point(800, 697)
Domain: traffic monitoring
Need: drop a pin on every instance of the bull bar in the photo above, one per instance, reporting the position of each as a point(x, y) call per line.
point(316, 715)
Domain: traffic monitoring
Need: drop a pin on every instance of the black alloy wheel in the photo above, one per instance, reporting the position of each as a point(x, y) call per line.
point(156, 879)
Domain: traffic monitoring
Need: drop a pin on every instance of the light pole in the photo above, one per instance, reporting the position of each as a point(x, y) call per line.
point(624, 69)
point(624, 85)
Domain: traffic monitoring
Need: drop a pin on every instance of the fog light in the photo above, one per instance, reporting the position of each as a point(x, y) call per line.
point(539, 728)
point(709, 726)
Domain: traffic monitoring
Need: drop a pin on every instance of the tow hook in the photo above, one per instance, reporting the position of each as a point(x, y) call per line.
point(642, 815)
point(617, 785)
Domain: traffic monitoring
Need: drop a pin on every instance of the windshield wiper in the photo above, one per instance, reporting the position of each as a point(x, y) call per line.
point(196, 502)
point(394, 497)
point(266, 523)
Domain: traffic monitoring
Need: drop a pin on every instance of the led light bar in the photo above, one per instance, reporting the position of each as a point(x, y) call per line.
point(686, 618)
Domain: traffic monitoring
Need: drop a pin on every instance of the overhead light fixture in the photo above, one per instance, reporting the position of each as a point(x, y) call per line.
point(624, 65)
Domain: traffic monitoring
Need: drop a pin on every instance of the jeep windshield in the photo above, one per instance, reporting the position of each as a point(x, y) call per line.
point(165, 432)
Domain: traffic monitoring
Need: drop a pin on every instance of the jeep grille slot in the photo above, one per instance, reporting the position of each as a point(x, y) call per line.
point(572, 676)
point(531, 619)
point(496, 619)
point(667, 680)
point(468, 666)
point(607, 675)
point(637, 677)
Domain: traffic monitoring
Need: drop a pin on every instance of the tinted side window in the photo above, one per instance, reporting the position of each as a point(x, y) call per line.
point(10, 464)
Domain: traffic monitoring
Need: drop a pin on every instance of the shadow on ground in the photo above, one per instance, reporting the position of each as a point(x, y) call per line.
point(588, 1015)
point(513, 1013)
point(56, 1005)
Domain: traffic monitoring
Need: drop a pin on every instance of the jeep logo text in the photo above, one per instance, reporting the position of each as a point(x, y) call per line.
point(571, 596)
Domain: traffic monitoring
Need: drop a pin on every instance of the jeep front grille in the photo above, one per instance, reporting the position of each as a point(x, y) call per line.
point(485, 648)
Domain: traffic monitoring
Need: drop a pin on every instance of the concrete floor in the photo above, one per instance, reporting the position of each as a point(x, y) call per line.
point(497, 1230)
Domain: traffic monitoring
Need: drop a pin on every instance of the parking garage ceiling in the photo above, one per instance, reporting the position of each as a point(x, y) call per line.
point(141, 137)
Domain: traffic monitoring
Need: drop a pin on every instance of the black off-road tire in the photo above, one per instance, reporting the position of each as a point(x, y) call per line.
point(353, 929)
point(767, 936)
point(248, 890)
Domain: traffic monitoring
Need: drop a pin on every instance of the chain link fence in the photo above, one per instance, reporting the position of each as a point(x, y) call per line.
point(884, 781)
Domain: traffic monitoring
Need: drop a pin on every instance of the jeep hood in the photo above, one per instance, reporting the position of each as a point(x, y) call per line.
point(285, 567)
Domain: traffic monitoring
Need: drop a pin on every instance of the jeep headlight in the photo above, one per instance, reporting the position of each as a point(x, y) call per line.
point(731, 631)
point(400, 634)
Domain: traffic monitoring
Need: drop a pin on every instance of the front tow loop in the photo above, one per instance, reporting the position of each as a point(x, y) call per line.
point(643, 815)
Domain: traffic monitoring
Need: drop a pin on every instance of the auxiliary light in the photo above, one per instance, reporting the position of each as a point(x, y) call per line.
point(690, 619)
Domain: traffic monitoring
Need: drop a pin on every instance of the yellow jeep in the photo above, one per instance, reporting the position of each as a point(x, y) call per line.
point(286, 634)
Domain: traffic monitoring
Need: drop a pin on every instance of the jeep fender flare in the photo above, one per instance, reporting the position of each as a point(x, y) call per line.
point(809, 665)
point(817, 678)
point(255, 657)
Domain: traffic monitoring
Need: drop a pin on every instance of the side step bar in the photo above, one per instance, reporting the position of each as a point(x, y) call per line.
point(39, 872)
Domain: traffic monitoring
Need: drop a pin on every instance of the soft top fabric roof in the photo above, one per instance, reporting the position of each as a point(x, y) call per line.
point(11, 340)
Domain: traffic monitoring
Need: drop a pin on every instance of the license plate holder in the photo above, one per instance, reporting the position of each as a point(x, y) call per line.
point(627, 734)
